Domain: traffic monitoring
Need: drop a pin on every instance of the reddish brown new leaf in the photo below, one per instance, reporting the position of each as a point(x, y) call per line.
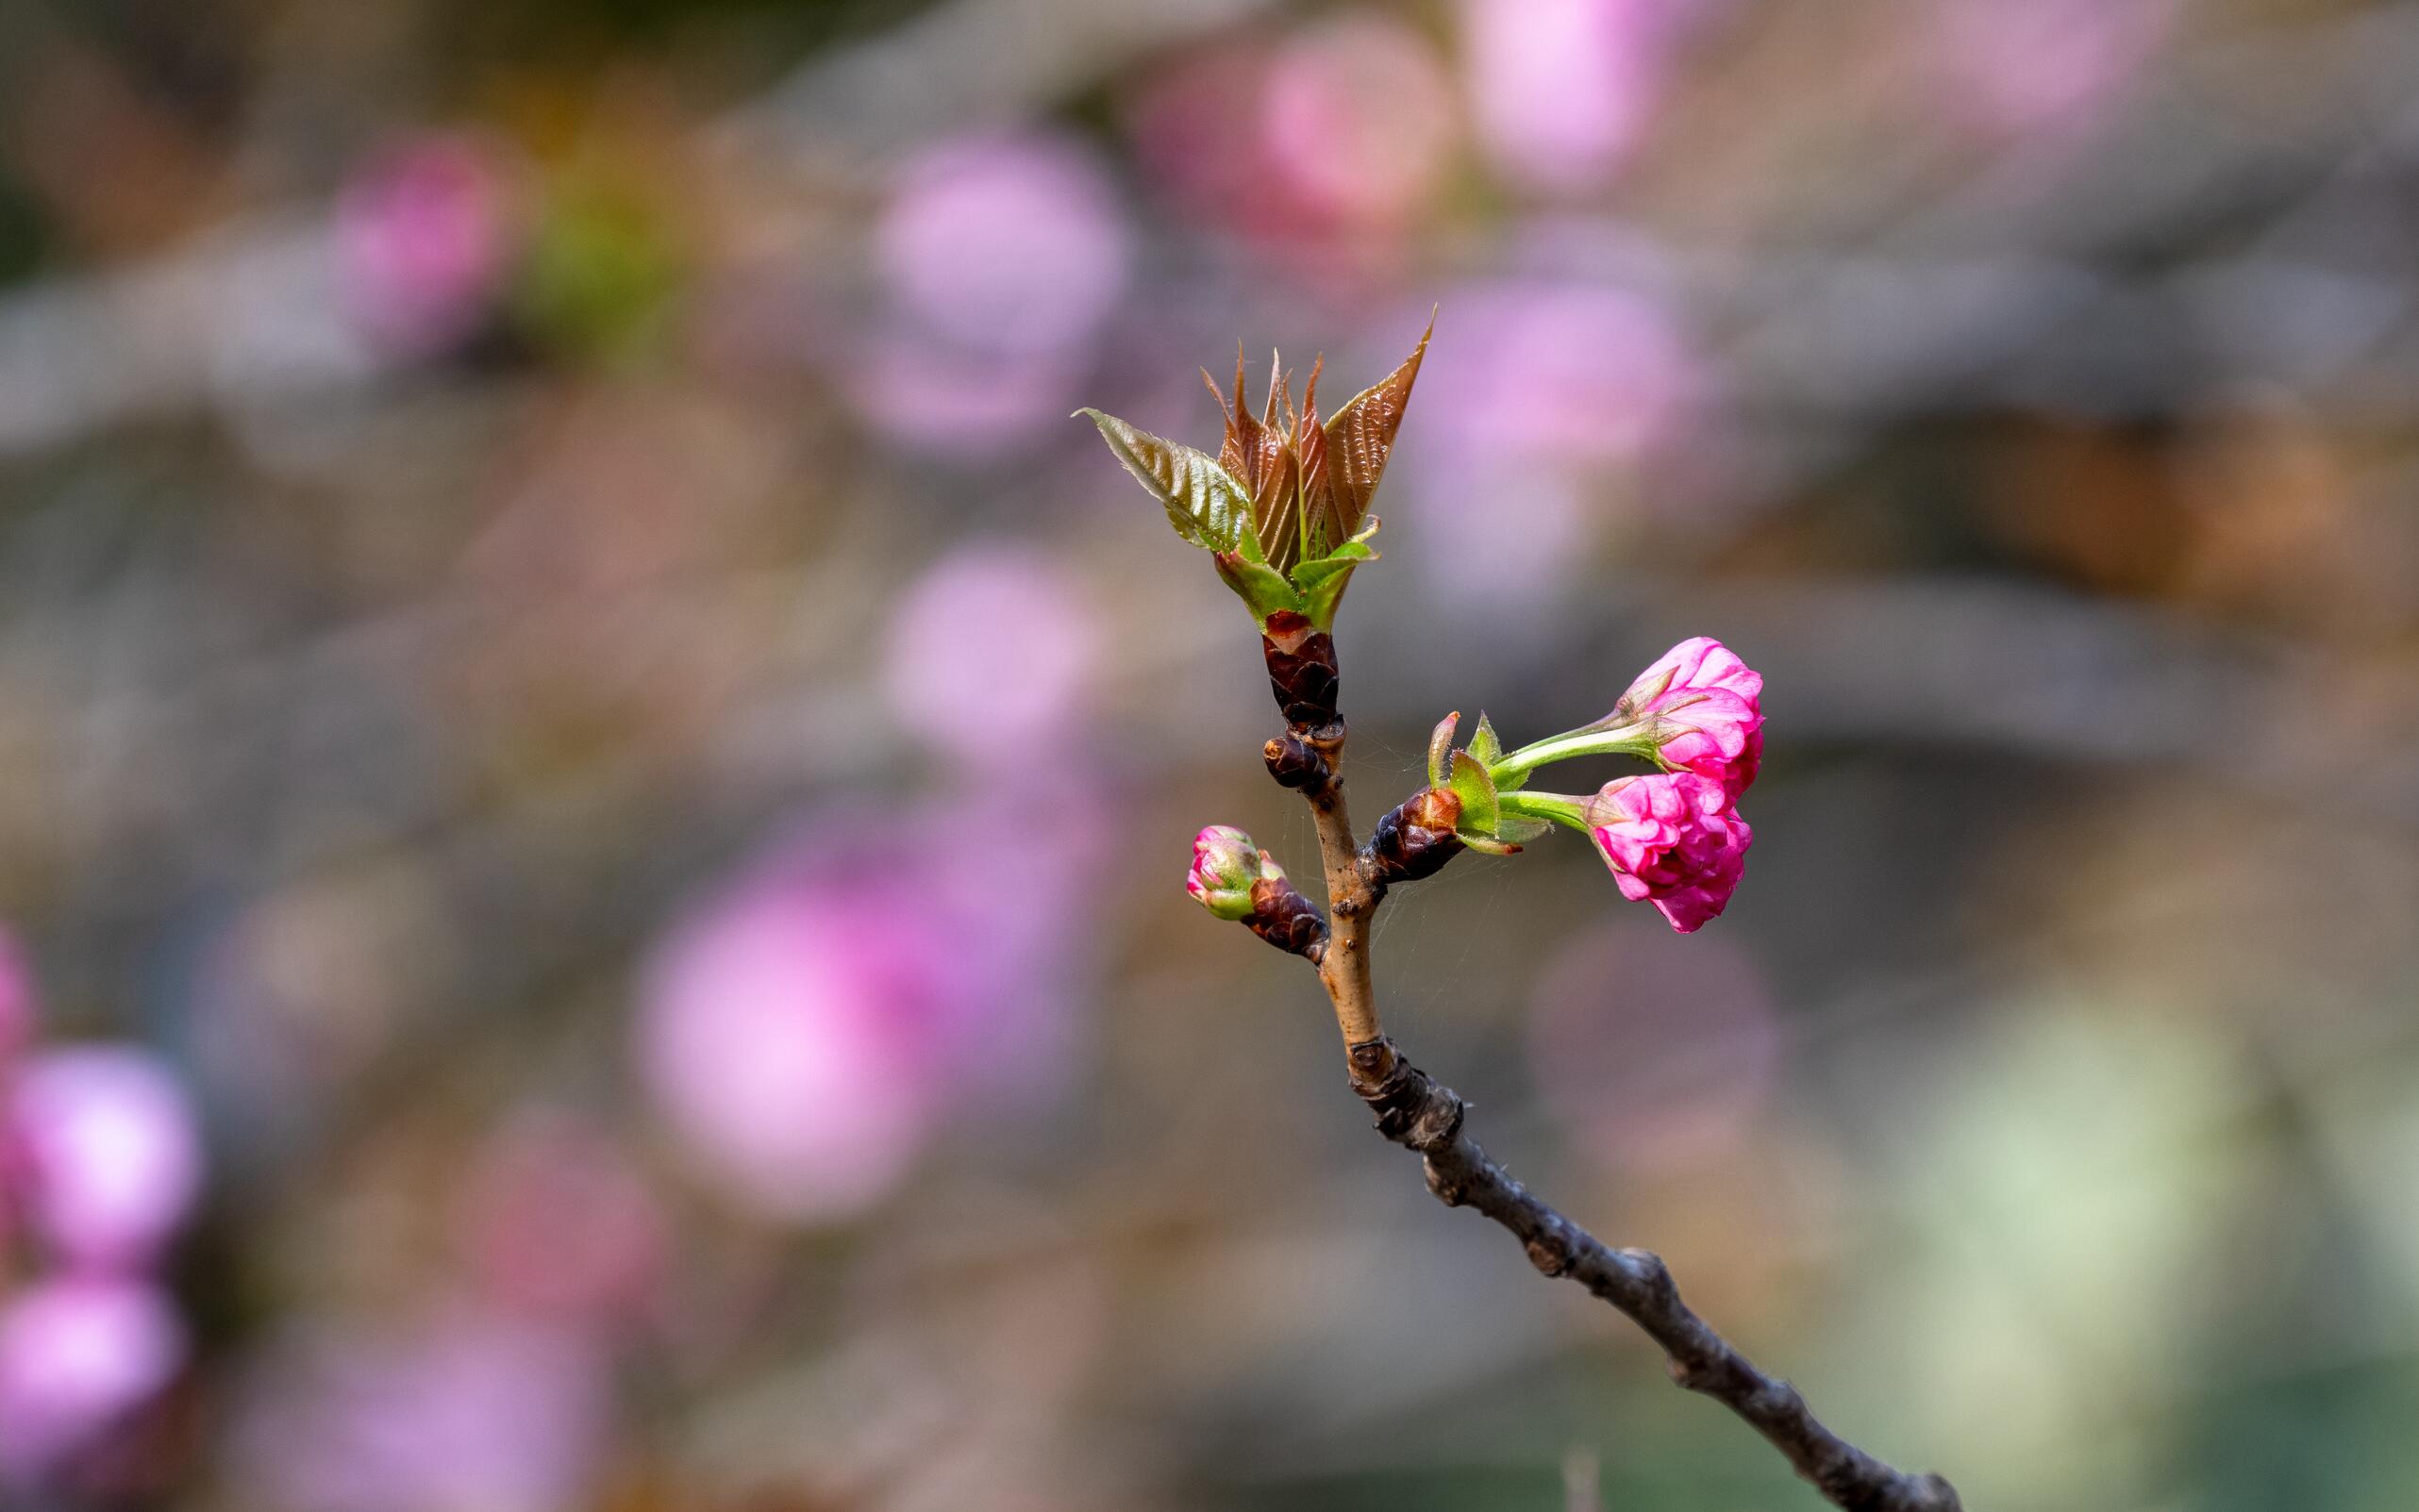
point(1357, 440)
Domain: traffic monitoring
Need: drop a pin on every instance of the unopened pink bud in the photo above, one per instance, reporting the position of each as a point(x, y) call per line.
point(1701, 704)
point(1225, 864)
point(1674, 839)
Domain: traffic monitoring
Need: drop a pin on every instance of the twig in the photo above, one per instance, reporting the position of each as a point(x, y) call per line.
point(1425, 1117)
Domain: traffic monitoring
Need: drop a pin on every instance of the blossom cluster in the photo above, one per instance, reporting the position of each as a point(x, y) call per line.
point(100, 1164)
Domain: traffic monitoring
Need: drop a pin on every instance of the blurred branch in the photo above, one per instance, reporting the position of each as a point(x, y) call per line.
point(1425, 1117)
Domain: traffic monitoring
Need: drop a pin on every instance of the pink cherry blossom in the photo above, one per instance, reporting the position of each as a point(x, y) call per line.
point(1562, 90)
point(1674, 839)
point(988, 655)
point(474, 1411)
point(423, 237)
point(78, 1354)
point(111, 1160)
point(792, 1036)
point(1358, 119)
point(1704, 704)
point(1007, 244)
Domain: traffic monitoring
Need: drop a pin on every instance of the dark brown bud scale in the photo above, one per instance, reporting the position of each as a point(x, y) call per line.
point(1286, 920)
point(1296, 764)
point(1301, 669)
point(1414, 839)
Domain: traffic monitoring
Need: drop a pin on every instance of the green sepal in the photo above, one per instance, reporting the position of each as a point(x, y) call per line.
point(1440, 742)
point(1262, 587)
point(1484, 746)
point(1480, 812)
point(1521, 830)
point(1204, 502)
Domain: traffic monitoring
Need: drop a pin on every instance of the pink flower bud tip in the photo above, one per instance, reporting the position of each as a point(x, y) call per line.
point(1674, 839)
point(1226, 865)
point(1702, 704)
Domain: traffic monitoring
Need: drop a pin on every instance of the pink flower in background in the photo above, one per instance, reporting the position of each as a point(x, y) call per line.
point(1009, 244)
point(1672, 839)
point(1704, 706)
point(423, 237)
point(1558, 387)
point(1357, 118)
point(78, 1355)
point(556, 1221)
point(988, 655)
point(1562, 90)
point(790, 1034)
point(808, 1027)
point(2042, 67)
point(476, 1413)
point(928, 395)
point(111, 1159)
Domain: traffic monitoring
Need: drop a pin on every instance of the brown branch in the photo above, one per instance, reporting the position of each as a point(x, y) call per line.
point(1425, 1117)
point(1422, 1115)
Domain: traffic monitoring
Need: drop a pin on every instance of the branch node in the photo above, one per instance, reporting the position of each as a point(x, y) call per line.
point(1550, 1252)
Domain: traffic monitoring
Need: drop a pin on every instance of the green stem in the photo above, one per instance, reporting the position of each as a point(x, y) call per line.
point(1620, 739)
point(1561, 809)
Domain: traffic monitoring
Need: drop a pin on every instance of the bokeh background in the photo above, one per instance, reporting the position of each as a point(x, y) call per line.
point(595, 775)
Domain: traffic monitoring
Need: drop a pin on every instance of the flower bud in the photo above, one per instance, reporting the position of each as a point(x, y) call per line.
point(1674, 839)
point(1225, 864)
point(1701, 708)
point(1295, 763)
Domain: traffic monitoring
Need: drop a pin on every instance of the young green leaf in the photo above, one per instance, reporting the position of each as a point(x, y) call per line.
point(1440, 741)
point(1203, 501)
point(1323, 581)
point(1262, 589)
point(1477, 791)
point(1345, 557)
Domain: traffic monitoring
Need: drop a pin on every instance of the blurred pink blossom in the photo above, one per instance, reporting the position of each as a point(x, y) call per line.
point(424, 236)
point(111, 1159)
point(1705, 704)
point(556, 1221)
point(1556, 390)
point(808, 1026)
point(1562, 90)
point(78, 1355)
point(1672, 839)
point(1656, 1051)
point(1009, 244)
point(1358, 118)
point(932, 396)
point(478, 1413)
point(791, 1035)
point(2042, 67)
point(990, 656)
